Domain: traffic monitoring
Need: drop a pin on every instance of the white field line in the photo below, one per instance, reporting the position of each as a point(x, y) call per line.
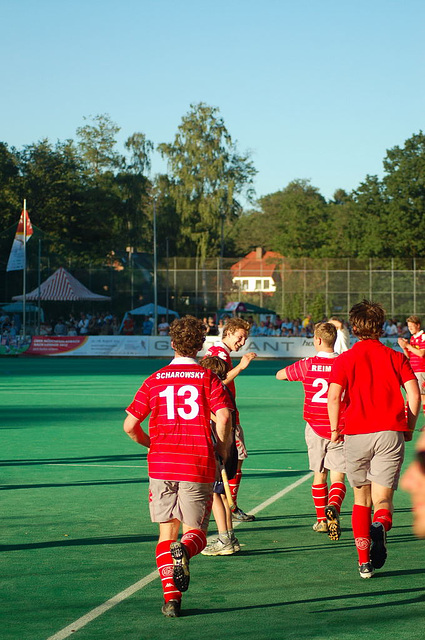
point(123, 595)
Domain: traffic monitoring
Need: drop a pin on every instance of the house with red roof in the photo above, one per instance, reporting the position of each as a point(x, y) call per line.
point(257, 272)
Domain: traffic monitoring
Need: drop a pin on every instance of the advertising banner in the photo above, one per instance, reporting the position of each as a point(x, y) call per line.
point(159, 346)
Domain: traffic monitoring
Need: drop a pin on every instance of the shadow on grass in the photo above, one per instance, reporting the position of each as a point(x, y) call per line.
point(58, 485)
point(80, 460)
point(79, 542)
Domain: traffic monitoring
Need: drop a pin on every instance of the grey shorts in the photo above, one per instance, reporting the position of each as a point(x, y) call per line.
point(189, 502)
point(322, 453)
point(240, 443)
point(421, 381)
point(374, 457)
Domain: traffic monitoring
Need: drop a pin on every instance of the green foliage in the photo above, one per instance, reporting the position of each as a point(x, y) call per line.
point(207, 176)
point(97, 143)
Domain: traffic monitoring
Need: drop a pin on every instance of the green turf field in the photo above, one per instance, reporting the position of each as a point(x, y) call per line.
point(76, 531)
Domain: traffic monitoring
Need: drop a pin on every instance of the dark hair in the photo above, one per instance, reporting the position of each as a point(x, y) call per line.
point(187, 335)
point(217, 365)
point(367, 319)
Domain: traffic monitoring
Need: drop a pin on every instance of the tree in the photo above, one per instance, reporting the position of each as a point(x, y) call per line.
point(97, 143)
point(208, 177)
point(10, 205)
point(404, 185)
point(140, 148)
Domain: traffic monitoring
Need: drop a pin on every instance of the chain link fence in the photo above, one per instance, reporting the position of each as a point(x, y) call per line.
point(186, 285)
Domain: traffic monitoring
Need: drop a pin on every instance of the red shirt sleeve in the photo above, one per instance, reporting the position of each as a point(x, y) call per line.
point(338, 374)
point(140, 407)
point(296, 372)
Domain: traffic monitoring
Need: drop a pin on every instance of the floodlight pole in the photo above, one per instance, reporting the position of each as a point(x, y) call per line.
point(155, 275)
point(24, 283)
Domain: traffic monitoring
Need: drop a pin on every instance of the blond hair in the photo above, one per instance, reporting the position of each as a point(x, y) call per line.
point(326, 331)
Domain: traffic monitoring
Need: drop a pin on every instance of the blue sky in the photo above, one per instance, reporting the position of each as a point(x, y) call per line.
point(315, 90)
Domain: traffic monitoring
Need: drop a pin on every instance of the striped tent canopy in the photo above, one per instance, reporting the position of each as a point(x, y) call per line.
point(62, 286)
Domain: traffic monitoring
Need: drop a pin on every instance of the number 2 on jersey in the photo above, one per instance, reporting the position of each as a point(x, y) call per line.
point(322, 394)
point(192, 407)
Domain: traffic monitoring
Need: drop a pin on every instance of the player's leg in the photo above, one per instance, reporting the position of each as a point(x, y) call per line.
point(229, 522)
point(222, 545)
point(361, 520)
point(316, 449)
point(335, 461)
point(168, 533)
point(319, 492)
point(337, 493)
point(194, 506)
point(163, 510)
point(234, 483)
point(384, 472)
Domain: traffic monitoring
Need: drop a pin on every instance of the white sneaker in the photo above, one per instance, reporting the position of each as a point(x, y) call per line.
point(320, 526)
point(219, 547)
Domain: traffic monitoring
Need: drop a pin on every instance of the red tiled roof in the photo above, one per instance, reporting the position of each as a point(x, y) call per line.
point(251, 265)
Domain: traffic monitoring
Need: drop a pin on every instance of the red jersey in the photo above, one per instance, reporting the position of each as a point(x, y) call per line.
point(373, 374)
point(314, 373)
point(222, 351)
point(417, 362)
point(180, 398)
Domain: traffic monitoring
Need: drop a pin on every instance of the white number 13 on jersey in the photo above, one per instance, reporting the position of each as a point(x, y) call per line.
point(322, 394)
point(191, 408)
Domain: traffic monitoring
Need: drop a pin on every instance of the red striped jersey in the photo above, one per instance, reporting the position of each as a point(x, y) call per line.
point(314, 374)
point(180, 398)
point(417, 362)
point(222, 351)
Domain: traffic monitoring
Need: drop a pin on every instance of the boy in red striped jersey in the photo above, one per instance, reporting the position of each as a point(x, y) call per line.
point(235, 334)
point(323, 455)
point(181, 459)
point(415, 351)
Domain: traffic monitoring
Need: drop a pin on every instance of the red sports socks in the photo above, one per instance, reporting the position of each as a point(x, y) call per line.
point(361, 520)
point(194, 540)
point(320, 499)
point(164, 562)
point(385, 517)
point(337, 494)
point(234, 485)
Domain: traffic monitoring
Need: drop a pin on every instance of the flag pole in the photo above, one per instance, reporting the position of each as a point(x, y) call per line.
point(24, 292)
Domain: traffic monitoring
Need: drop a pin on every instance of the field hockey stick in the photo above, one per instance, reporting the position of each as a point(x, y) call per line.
point(226, 485)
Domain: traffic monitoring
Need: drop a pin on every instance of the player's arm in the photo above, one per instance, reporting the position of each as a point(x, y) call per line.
point(334, 408)
point(244, 362)
point(133, 428)
point(222, 429)
point(415, 350)
point(413, 406)
point(281, 374)
point(403, 344)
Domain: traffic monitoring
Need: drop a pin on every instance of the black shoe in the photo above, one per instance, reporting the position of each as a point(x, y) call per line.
point(181, 574)
point(171, 609)
point(366, 570)
point(241, 516)
point(332, 519)
point(378, 548)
